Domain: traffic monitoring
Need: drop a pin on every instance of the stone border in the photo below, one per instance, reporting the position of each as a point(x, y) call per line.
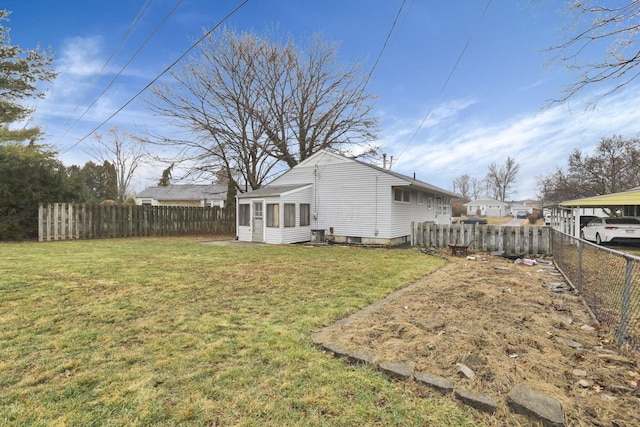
point(520, 400)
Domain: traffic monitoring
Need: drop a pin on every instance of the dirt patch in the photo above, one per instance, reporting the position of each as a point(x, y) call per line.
point(504, 321)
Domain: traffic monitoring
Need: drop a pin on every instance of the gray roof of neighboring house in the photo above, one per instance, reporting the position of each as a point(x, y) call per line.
point(485, 200)
point(185, 192)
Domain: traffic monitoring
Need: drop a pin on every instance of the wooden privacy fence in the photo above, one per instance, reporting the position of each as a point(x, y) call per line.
point(62, 221)
point(489, 238)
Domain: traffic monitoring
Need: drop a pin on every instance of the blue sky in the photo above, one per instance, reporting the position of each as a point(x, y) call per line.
point(437, 119)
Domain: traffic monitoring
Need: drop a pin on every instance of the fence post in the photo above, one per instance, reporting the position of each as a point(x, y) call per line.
point(580, 250)
point(624, 315)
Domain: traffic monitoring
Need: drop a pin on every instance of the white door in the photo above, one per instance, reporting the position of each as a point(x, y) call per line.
point(257, 233)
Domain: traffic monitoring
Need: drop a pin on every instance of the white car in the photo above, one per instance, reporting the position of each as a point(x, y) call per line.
point(604, 230)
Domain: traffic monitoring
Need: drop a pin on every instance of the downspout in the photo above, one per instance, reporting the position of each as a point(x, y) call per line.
point(375, 218)
point(316, 178)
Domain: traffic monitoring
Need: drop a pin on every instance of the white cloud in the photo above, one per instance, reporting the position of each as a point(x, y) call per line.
point(81, 57)
point(465, 143)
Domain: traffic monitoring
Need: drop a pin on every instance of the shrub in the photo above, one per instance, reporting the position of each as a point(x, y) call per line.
point(533, 218)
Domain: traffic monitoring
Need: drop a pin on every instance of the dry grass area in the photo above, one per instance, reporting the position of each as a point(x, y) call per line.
point(503, 321)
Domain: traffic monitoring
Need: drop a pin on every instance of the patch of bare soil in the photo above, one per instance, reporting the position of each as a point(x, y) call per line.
point(504, 322)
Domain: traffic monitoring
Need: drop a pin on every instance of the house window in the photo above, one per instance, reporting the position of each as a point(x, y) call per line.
point(400, 195)
point(244, 214)
point(305, 214)
point(289, 215)
point(273, 215)
point(146, 202)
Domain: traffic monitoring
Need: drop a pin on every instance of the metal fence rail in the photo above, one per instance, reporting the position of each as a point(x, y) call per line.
point(608, 280)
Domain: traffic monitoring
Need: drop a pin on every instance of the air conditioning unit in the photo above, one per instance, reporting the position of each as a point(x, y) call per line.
point(317, 236)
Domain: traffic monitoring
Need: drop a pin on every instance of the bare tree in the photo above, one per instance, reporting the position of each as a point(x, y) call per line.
point(614, 167)
point(462, 185)
point(603, 31)
point(252, 105)
point(124, 151)
point(560, 186)
point(478, 188)
point(501, 179)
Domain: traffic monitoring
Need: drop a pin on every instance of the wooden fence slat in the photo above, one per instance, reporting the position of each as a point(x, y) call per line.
point(61, 221)
point(488, 238)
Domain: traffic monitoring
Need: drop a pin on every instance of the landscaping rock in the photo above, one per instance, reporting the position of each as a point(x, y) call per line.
point(363, 355)
point(354, 356)
point(584, 383)
point(400, 370)
point(569, 342)
point(437, 383)
point(562, 287)
point(480, 401)
point(466, 371)
point(579, 373)
point(336, 349)
point(525, 401)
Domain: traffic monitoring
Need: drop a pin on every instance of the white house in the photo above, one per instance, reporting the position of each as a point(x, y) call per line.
point(341, 199)
point(487, 207)
point(183, 195)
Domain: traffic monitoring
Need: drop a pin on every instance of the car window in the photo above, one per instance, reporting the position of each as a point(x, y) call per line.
point(594, 222)
point(623, 221)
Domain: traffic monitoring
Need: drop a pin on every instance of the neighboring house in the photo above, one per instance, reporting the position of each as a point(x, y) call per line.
point(183, 195)
point(341, 199)
point(487, 207)
point(524, 205)
point(516, 208)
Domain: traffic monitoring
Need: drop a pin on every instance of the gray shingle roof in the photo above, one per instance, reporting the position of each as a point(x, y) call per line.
point(185, 192)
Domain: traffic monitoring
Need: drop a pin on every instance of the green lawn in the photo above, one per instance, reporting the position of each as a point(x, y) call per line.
point(168, 331)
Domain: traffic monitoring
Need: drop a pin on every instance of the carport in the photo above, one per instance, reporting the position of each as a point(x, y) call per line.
point(567, 216)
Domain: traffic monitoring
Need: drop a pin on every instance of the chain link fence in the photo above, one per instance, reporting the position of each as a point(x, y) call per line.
point(608, 280)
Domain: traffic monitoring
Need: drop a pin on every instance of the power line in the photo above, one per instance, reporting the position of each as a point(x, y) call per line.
point(135, 54)
point(446, 82)
point(384, 45)
point(155, 79)
point(143, 10)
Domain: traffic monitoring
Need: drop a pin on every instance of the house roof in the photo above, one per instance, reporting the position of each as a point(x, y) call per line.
point(625, 198)
point(273, 190)
point(484, 201)
point(411, 181)
point(185, 192)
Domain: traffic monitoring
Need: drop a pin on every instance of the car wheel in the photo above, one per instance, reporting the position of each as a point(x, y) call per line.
point(598, 240)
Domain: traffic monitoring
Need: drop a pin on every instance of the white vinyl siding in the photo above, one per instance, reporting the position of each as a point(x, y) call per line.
point(353, 199)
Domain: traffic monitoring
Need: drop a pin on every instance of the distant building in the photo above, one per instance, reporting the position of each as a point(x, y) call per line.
point(491, 207)
point(196, 195)
point(487, 207)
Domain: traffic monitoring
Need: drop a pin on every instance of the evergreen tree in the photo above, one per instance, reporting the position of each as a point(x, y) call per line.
point(31, 175)
point(20, 71)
